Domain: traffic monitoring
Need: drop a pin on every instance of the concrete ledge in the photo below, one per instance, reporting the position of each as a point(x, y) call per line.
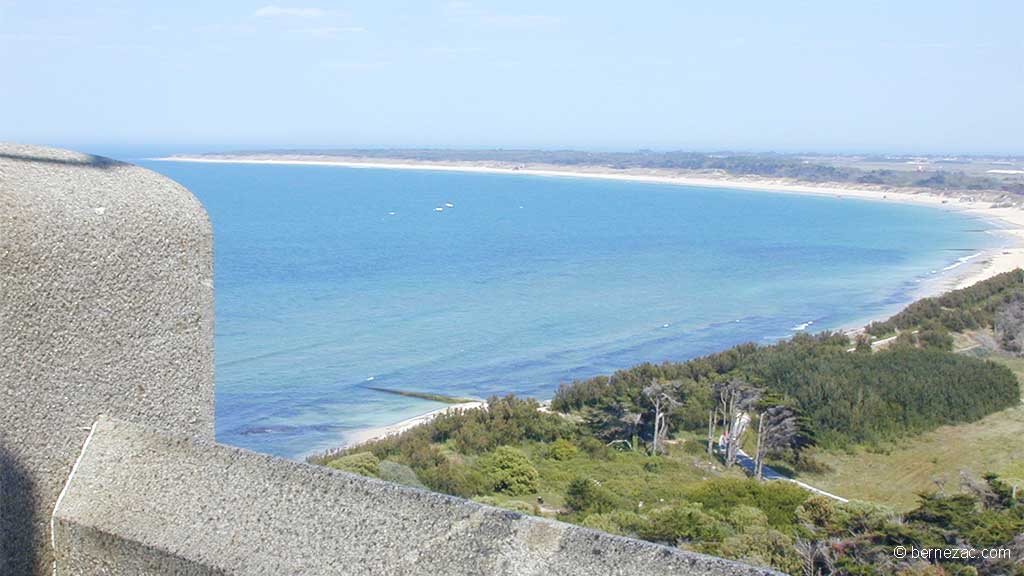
point(106, 307)
point(143, 502)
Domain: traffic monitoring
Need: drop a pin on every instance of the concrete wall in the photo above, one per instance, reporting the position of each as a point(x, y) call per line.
point(142, 502)
point(106, 307)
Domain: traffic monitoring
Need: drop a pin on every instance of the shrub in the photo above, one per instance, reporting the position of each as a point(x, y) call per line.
point(922, 568)
point(817, 511)
point(587, 496)
point(620, 522)
point(507, 420)
point(744, 516)
point(763, 546)
point(509, 471)
point(692, 446)
point(1009, 325)
point(595, 448)
point(399, 474)
point(362, 463)
point(935, 336)
point(777, 500)
point(862, 517)
point(561, 450)
point(683, 522)
point(455, 478)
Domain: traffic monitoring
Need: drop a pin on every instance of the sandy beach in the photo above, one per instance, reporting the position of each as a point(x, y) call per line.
point(376, 433)
point(1008, 221)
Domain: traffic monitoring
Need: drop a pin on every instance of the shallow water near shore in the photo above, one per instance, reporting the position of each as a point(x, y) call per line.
point(330, 279)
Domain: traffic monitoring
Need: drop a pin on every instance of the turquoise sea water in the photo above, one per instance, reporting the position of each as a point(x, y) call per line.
point(330, 279)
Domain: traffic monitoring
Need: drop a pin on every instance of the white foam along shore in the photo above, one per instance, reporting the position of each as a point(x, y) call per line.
point(378, 432)
point(1008, 220)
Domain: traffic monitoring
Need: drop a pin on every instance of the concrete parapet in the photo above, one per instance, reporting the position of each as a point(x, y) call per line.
point(144, 502)
point(106, 311)
point(106, 307)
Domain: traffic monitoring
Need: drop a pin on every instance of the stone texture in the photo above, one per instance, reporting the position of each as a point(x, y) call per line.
point(143, 502)
point(106, 307)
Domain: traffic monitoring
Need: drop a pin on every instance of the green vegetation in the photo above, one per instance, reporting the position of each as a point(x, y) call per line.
point(398, 473)
point(966, 309)
point(364, 463)
point(859, 538)
point(562, 449)
point(911, 426)
point(844, 398)
point(445, 453)
point(894, 473)
point(679, 499)
point(509, 471)
point(587, 496)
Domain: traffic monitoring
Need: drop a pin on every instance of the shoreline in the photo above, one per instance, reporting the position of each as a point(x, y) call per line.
point(364, 435)
point(994, 261)
point(965, 271)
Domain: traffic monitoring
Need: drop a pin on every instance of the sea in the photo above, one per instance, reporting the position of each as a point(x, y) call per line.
point(331, 281)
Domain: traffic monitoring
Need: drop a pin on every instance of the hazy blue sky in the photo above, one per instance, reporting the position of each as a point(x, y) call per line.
point(816, 75)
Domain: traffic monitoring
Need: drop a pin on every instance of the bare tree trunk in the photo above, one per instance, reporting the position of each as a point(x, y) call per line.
point(662, 403)
point(661, 429)
point(657, 424)
point(728, 409)
point(711, 429)
point(738, 430)
point(733, 440)
point(664, 428)
point(734, 399)
point(759, 456)
point(654, 443)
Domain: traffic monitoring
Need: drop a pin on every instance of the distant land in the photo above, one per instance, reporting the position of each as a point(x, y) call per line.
point(998, 179)
point(988, 187)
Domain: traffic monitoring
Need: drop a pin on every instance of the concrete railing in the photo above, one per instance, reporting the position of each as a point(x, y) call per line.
point(106, 307)
point(107, 459)
point(136, 499)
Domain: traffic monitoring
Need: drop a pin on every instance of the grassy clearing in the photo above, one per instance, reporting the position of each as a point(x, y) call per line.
point(633, 476)
point(894, 475)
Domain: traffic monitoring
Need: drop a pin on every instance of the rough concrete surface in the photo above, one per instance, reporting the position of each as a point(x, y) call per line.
point(106, 307)
point(143, 502)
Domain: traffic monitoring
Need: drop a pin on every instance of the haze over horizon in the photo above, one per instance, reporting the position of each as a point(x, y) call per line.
point(917, 77)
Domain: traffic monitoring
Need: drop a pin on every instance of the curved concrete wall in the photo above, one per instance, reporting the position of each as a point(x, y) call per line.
point(106, 307)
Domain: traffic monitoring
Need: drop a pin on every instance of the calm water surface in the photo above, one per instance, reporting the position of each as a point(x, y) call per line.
point(331, 279)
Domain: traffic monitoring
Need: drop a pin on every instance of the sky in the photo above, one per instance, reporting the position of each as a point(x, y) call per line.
point(833, 76)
